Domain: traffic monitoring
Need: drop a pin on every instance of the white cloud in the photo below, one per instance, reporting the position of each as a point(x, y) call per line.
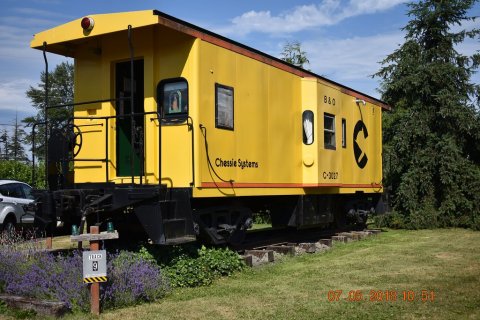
point(357, 7)
point(12, 95)
point(352, 61)
point(328, 12)
point(32, 12)
point(21, 65)
point(15, 44)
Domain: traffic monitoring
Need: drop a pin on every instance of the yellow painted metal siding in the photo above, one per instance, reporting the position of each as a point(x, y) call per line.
point(336, 171)
point(105, 24)
point(266, 124)
point(166, 54)
point(268, 105)
point(175, 56)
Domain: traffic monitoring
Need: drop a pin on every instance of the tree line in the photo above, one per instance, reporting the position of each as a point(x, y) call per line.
point(11, 142)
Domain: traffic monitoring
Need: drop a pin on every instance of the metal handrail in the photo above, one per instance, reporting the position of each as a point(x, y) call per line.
point(106, 159)
point(132, 116)
point(73, 104)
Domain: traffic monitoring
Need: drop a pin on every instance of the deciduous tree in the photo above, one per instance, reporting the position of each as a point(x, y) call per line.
point(293, 53)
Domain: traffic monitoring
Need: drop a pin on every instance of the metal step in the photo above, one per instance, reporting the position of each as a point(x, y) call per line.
point(180, 240)
point(174, 228)
point(169, 209)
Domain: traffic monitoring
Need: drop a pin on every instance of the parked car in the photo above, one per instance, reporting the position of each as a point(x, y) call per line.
point(14, 199)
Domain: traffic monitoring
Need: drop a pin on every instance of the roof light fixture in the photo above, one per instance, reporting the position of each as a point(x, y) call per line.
point(87, 23)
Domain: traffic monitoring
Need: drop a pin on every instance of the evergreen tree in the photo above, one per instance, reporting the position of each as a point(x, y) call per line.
point(432, 135)
point(4, 139)
point(60, 91)
point(292, 53)
point(15, 148)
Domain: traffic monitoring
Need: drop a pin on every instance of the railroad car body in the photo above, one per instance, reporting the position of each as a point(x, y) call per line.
point(185, 132)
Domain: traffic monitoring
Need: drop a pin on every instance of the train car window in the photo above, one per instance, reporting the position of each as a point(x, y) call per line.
point(344, 133)
point(307, 122)
point(172, 95)
point(329, 131)
point(224, 111)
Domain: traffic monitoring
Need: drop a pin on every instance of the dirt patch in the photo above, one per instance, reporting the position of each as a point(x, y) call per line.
point(448, 256)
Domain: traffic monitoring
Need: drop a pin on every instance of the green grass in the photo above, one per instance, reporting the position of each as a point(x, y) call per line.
point(446, 262)
point(258, 226)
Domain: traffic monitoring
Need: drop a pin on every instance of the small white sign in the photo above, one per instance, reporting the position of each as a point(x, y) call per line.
point(95, 256)
point(94, 264)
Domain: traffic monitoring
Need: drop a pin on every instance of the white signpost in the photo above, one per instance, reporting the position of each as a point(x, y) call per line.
point(94, 263)
point(94, 266)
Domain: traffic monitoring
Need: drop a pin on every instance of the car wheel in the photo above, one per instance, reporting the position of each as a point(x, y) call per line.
point(9, 227)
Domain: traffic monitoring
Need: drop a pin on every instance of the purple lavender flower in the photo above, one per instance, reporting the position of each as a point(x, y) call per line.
point(132, 279)
point(34, 273)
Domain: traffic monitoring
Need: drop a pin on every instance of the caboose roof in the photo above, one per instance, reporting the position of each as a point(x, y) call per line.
point(63, 39)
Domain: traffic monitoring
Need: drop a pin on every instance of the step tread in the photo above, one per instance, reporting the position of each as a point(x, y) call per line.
point(180, 240)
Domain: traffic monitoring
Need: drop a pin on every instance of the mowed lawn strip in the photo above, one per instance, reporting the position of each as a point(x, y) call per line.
point(445, 262)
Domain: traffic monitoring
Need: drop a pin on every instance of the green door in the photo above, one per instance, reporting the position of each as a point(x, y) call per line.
point(124, 122)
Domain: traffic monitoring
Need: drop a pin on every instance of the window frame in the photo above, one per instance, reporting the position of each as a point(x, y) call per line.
point(221, 125)
point(171, 117)
point(344, 133)
point(329, 131)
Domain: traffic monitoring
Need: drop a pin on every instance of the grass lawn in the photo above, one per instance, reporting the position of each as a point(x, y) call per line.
point(444, 263)
point(258, 226)
point(60, 243)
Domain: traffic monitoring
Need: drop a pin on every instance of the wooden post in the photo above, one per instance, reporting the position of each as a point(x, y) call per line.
point(94, 287)
point(49, 242)
point(94, 237)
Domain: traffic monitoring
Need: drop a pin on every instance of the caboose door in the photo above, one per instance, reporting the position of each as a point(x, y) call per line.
point(123, 94)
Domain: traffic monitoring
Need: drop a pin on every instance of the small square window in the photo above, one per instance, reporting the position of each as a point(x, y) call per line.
point(224, 112)
point(173, 98)
point(329, 131)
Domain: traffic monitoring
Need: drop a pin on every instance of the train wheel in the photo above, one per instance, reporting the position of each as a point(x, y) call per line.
point(340, 218)
point(221, 225)
point(237, 237)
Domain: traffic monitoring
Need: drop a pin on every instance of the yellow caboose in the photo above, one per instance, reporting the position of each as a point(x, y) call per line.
point(188, 132)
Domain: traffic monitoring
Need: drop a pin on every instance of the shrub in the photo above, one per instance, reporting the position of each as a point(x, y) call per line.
point(220, 262)
point(16, 170)
point(27, 271)
point(202, 269)
point(43, 275)
point(262, 217)
point(187, 272)
point(15, 313)
point(392, 220)
point(133, 279)
point(426, 218)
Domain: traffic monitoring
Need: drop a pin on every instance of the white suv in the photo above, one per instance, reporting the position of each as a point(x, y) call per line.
point(14, 197)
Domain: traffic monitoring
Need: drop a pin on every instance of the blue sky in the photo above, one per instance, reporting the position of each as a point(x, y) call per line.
point(344, 39)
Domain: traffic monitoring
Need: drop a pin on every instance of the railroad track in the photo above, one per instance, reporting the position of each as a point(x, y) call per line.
point(263, 245)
